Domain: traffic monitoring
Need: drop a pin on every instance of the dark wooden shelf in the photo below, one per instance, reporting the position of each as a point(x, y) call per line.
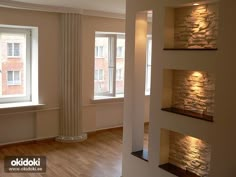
point(177, 171)
point(189, 114)
point(143, 154)
point(190, 48)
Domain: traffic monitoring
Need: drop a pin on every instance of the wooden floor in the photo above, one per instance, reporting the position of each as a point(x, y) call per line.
point(99, 156)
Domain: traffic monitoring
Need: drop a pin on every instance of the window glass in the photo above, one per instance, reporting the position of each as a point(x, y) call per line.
point(15, 65)
point(120, 65)
point(102, 76)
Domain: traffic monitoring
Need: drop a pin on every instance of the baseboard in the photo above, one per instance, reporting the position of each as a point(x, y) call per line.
point(34, 140)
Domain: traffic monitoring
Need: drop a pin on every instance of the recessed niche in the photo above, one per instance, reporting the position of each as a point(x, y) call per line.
point(183, 155)
point(189, 93)
point(191, 27)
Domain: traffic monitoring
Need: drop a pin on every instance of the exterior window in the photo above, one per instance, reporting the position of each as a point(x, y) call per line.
point(13, 49)
point(99, 74)
point(120, 52)
point(112, 65)
point(15, 75)
point(99, 53)
point(13, 78)
point(119, 75)
point(148, 66)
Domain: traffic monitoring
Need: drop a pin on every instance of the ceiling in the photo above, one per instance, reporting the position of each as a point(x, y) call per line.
point(111, 6)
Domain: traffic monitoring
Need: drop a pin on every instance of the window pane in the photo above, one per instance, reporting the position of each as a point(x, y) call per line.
point(13, 75)
point(120, 52)
point(9, 49)
point(10, 76)
point(99, 50)
point(17, 76)
point(101, 74)
point(96, 75)
point(16, 49)
point(102, 85)
point(120, 65)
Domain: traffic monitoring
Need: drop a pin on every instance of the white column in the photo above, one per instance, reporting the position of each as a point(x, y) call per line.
point(70, 119)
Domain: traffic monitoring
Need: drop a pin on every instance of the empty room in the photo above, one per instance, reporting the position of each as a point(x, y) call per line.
point(127, 88)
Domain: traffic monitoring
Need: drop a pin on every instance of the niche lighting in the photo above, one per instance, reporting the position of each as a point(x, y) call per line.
point(197, 74)
point(196, 4)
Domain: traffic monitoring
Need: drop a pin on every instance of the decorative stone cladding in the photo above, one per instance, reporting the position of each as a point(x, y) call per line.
point(190, 154)
point(196, 27)
point(194, 91)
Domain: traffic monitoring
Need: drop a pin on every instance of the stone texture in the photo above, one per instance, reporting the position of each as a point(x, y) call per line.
point(196, 27)
point(190, 153)
point(194, 91)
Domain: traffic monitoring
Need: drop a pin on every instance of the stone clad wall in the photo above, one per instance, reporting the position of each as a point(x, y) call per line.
point(196, 27)
point(190, 153)
point(194, 91)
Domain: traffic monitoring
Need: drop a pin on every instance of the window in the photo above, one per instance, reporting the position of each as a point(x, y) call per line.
point(15, 75)
point(119, 74)
point(148, 66)
point(99, 51)
point(13, 78)
point(13, 49)
point(99, 74)
point(113, 48)
point(120, 53)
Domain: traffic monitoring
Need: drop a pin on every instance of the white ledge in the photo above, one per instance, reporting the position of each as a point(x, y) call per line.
point(107, 100)
point(19, 105)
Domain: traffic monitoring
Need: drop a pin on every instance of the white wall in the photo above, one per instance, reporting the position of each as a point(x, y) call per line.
point(220, 134)
point(105, 114)
point(44, 124)
point(96, 115)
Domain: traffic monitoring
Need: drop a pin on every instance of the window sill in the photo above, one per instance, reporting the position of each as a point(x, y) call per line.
point(107, 100)
point(19, 105)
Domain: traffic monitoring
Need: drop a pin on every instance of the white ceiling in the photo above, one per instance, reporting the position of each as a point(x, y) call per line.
point(114, 6)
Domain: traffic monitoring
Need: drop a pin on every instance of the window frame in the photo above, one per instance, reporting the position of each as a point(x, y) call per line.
point(112, 57)
point(27, 96)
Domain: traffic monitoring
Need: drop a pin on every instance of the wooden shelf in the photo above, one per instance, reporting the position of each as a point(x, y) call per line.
point(143, 154)
point(177, 171)
point(189, 114)
point(190, 48)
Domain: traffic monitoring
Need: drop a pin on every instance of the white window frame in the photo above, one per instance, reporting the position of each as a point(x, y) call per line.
point(112, 47)
point(27, 67)
point(14, 82)
point(13, 50)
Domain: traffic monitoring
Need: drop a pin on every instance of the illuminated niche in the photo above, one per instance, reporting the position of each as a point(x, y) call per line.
point(183, 155)
point(192, 27)
point(189, 93)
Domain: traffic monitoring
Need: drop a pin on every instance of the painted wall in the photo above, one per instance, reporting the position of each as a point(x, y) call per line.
point(15, 125)
point(44, 122)
point(220, 133)
point(106, 113)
